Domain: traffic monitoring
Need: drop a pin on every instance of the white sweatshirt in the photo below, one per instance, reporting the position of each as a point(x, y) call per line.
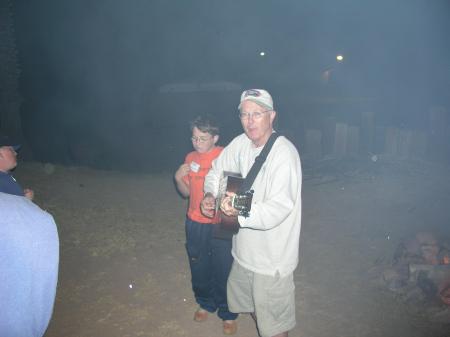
point(268, 240)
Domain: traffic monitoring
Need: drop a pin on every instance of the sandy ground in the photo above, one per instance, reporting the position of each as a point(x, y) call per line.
point(124, 271)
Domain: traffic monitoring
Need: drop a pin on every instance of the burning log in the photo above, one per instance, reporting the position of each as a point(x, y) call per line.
point(434, 280)
point(436, 273)
point(444, 292)
point(420, 270)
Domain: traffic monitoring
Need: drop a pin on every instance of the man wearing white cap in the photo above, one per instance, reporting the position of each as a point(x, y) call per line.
point(265, 249)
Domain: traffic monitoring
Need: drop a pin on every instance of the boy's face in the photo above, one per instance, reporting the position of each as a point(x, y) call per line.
point(203, 142)
point(8, 159)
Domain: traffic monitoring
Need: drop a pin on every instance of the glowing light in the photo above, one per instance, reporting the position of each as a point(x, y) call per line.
point(340, 58)
point(262, 53)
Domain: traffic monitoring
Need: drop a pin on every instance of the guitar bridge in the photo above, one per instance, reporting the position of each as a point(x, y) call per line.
point(243, 203)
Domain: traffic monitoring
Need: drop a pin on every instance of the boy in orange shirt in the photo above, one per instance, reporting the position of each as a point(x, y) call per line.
point(210, 258)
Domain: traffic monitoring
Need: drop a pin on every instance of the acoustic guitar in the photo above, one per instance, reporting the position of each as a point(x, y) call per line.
point(242, 201)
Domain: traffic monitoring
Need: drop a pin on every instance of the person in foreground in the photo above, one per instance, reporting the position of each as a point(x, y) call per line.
point(209, 257)
point(266, 247)
point(8, 161)
point(29, 257)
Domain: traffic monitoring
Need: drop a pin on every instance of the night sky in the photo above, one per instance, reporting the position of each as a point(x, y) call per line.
point(113, 84)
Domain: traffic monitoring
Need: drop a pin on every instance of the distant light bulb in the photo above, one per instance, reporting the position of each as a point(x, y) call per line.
point(262, 53)
point(340, 58)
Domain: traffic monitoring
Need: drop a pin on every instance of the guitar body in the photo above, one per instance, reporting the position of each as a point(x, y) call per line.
point(231, 222)
point(229, 225)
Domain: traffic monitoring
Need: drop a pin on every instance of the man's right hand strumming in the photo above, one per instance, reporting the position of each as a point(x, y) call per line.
point(208, 205)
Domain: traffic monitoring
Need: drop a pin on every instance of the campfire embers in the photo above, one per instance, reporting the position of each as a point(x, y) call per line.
point(420, 271)
point(425, 262)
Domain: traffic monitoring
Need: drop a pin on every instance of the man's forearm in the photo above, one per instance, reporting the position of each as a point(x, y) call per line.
point(211, 184)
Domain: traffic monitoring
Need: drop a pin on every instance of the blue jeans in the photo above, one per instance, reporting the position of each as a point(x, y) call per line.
point(210, 261)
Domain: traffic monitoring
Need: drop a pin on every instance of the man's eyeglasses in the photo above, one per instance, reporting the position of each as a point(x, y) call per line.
point(256, 115)
point(200, 139)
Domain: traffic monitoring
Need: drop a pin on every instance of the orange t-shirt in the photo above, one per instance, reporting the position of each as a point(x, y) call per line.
point(200, 163)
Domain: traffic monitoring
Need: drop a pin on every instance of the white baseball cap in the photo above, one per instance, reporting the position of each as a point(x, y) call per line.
point(259, 96)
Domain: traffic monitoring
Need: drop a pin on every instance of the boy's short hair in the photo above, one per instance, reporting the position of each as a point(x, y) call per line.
point(205, 123)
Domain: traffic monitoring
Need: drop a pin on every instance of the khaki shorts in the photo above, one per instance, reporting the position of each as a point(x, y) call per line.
point(271, 298)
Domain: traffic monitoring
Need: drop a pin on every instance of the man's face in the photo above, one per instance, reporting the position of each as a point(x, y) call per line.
point(258, 129)
point(203, 142)
point(8, 159)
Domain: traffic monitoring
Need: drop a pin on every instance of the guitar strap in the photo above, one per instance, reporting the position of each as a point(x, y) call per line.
point(259, 160)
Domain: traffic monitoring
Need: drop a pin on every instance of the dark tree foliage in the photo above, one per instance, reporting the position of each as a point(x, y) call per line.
point(10, 100)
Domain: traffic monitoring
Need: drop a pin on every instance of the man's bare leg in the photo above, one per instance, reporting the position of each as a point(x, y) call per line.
point(283, 334)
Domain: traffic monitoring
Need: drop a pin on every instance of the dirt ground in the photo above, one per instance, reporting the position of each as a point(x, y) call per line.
point(124, 271)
